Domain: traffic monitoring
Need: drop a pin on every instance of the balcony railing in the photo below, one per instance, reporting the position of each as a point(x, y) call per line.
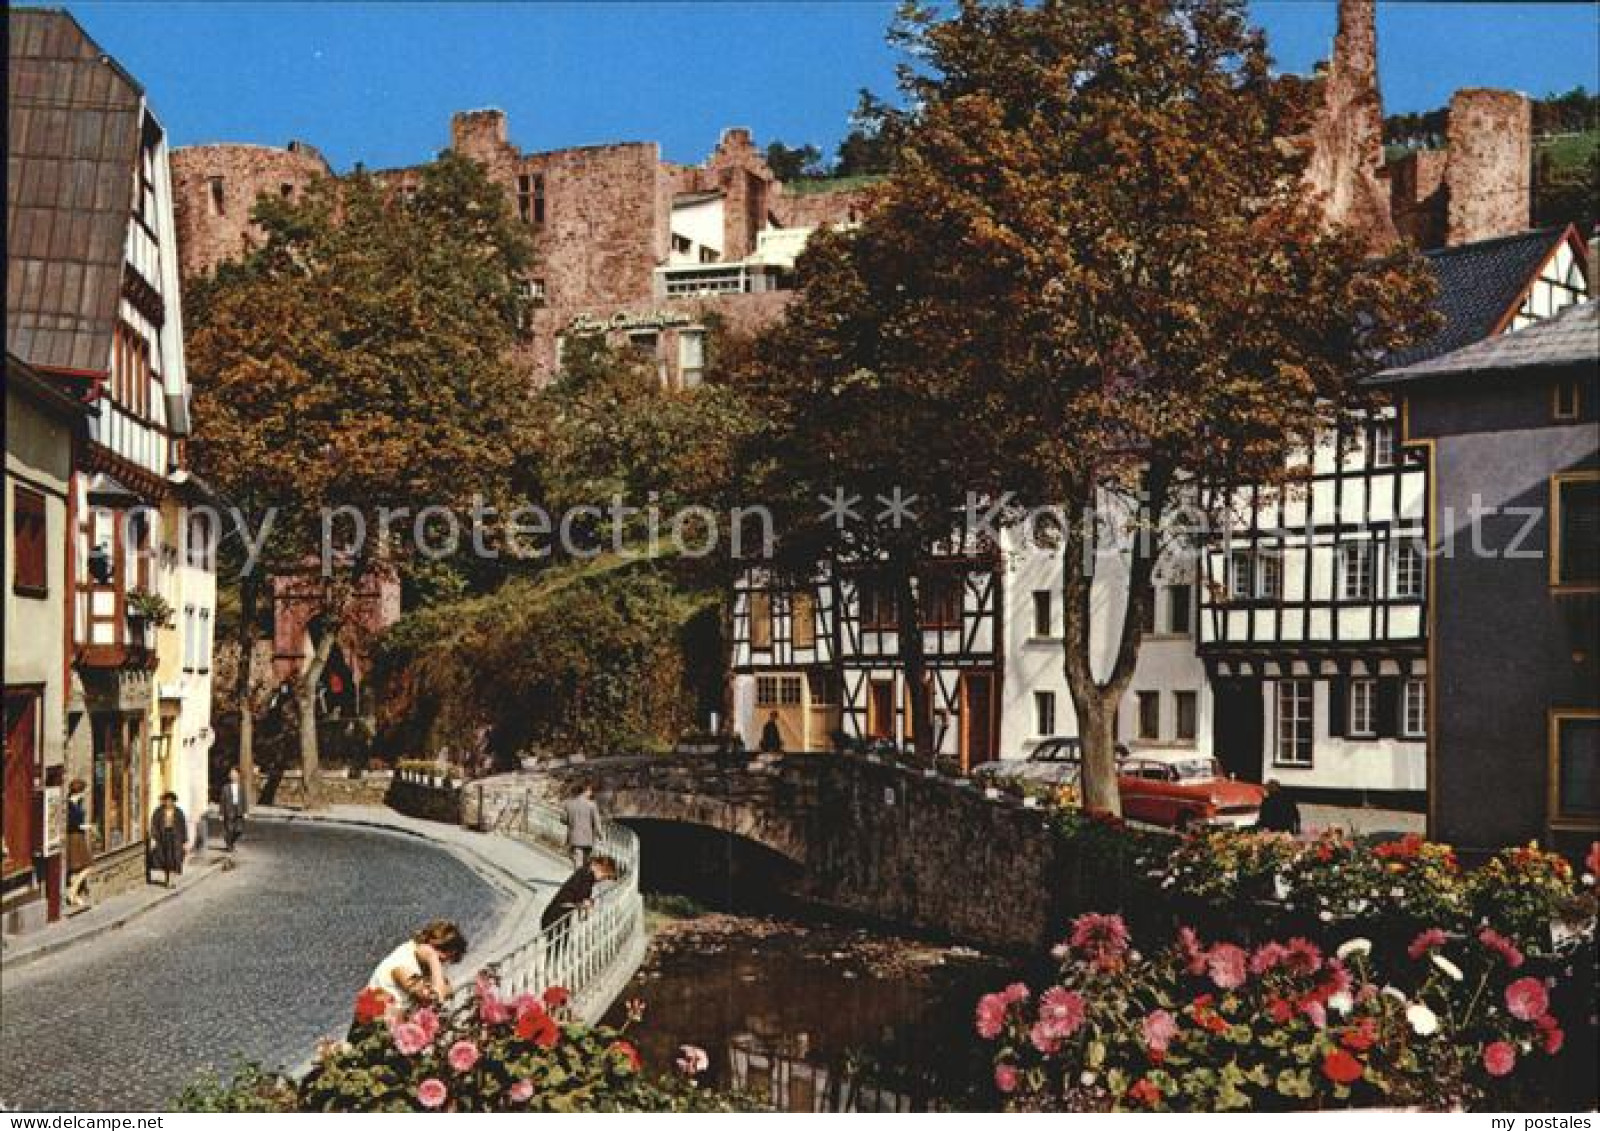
point(699, 279)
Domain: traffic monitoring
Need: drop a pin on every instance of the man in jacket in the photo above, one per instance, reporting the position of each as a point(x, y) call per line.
point(233, 805)
point(583, 825)
point(578, 892)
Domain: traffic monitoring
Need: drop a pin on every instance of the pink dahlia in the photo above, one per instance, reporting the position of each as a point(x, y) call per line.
point(428, 1021)
point(1015, 992)
point(991, 1016)
point(1158, 1027)
point(1268, 956)
point(1226, 964)
point(1527, 1000)
point(492, 1008)
point(1504, 947)
point(1061, 1010)
point(1005, 1078)
point(409, 1038)
point(1499, 1059)
point(1044, 1038)
point(522, 1091)
point(463, 1055)
point(1101, 939)
point(432, 1093)
point(1431, 939)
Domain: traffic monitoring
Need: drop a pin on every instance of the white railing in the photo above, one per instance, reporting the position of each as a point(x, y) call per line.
point(591, 953)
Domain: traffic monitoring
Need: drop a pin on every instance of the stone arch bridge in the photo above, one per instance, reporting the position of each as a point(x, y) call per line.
point(866, 837)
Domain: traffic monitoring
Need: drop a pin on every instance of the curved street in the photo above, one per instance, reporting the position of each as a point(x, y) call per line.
point(255, 964)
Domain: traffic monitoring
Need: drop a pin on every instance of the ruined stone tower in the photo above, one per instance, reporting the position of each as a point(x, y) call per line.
point(1347, 135)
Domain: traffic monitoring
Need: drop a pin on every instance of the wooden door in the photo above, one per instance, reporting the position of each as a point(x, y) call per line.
point(1236, 727)
point(977, 719)
point(21, 758)
point(880, 709)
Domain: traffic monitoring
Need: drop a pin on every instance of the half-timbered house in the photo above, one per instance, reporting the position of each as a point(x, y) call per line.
point(92, 305)
point(1315, 597)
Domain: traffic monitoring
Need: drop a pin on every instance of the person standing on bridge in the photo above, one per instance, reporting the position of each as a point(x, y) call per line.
point(577, 894)
point(583, 824)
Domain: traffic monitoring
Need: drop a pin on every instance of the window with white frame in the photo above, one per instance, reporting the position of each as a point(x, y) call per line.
point(1363, 708)
point(1294, 732)
point(1355, 571)
point(1044, 713)
point(691, 357)
point(777, 691)
point(1255, 575)
point(1383, 443)
point(1414, 709)
point(1410, 568)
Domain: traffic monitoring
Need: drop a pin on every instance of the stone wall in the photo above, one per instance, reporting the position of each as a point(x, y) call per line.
point(215, 187)
point(418, 797)
point(337, 789)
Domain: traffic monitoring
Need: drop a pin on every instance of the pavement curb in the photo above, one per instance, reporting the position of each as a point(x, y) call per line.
point(56, 946)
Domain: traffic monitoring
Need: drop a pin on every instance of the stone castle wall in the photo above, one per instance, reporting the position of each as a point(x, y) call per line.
point(1490, 164)
point(215, 189)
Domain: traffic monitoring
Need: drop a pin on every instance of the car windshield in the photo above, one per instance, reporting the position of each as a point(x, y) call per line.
point(1055, 752)
point(1196, 769)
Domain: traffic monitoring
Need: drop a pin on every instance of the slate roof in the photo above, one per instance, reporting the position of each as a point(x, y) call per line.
point(74, 118)
point(1478, 283)
point(1569, 337)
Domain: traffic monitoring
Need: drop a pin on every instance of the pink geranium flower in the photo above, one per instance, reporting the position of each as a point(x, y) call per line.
point(1158, 1027)
point(1101, 939)
point(409, 1038)
point(1428, 940)
point(492, 1008)
point(991, 1016)
point(432, 1093)
point(1226, 964)
point(1268, 956)
point(463, 1055)
point(1061, 1011)
point(1504, 947)
point(521, 1091)
point(1015, 992)
point(1527, 1000)
point(1005, 1078)
point(1044, 1038)
point(1499, 1059)
point(428, 1021)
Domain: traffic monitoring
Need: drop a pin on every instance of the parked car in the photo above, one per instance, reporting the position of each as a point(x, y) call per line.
point(1055, 761)
point(1180, 788)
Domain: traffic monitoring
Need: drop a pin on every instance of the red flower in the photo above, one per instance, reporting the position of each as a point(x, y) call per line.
point(1428, 940)
point(1340, 1067)
point(535, 1025)
point(371, 1004)
point(1145, 1092)
point(628, 1053)
point(1360, 1037)
point(1527, 1000)
point(1280, 1011)
point(1499, 1059)
point(556, 996)
point(1552, 1034)
point(1303, 956)
point(1502, 946)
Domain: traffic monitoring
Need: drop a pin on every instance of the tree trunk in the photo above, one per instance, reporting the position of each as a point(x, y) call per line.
point(914, 663)
point(310, 753)
point(249, 595)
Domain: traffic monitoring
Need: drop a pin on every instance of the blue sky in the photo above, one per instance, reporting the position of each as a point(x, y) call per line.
point(377, 82)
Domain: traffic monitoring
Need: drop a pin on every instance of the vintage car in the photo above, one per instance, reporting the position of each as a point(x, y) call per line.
point(1055, 761)
point(1180, 788)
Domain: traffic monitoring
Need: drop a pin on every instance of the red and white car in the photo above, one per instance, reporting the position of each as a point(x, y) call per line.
point(1180, 788)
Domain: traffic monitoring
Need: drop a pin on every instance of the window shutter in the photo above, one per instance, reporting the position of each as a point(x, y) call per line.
point(1338, 705)
point(1388, 706)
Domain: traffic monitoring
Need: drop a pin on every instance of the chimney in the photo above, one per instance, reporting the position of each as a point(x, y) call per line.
point(1490, 176)
point(479, 134)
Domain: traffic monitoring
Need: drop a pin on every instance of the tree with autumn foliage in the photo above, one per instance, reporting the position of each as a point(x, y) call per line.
point(1095, 281)
point(358, 361)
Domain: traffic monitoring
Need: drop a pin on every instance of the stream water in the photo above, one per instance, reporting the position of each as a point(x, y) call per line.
point(815, 1016)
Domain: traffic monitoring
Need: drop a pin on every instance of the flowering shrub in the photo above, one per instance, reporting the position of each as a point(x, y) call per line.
point(1229, 865)
point(491, 1054)
point(1524, 891)
point(1283, 1025)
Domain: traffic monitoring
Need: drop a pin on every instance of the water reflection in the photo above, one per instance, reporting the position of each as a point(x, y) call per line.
point(818, 1018)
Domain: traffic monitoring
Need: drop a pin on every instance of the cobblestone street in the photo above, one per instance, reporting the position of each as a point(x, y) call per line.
point(256, 964)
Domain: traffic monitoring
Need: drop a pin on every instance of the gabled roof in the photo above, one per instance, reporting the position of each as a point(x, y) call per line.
point(1570, 337)
point(1480, 286)
point(74, 120)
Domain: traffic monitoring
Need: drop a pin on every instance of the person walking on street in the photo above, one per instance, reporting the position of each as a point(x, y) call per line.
point(583, 824)
point(79, 856)
point(412, 974)
point(1279, 813)
point(169, 837)
point(771, 736)
point(233, 806)
point(578, 892)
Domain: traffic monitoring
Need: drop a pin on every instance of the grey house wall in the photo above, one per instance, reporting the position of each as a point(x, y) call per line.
point(1505, 649)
